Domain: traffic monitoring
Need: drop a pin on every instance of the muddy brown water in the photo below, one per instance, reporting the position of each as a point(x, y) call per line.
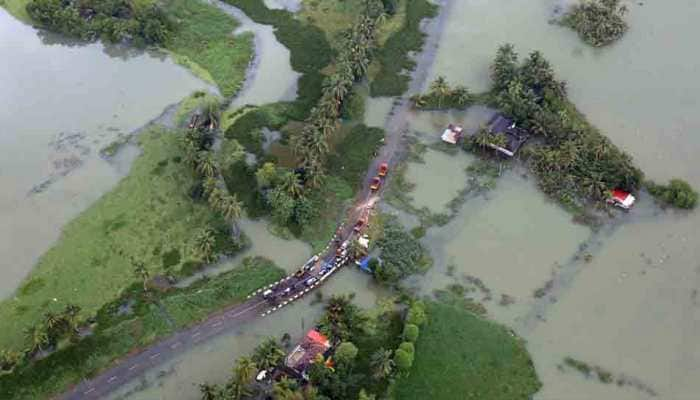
point(634, 308)
point(60, 103)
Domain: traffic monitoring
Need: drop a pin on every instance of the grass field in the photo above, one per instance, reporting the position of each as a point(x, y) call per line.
point(18, 8)
point(147, 215)
point(153, 316)
point(462, 356)
point(203, 42)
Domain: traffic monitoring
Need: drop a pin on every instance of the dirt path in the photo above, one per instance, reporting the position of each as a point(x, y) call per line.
point(135, 365)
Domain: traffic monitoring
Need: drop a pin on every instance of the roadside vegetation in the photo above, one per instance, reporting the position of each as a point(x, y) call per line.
point(598, 22)
point(137, 318)
point(460, 355)
point(393, 58)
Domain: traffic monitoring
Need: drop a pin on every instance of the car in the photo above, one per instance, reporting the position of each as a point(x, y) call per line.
point(311, 281)
point(323, 271)
point(262, 375)
point(359, 224)
point(267, 293)
point(375, 184)
point(287, 291)
point(299, 273)
point(383, 169)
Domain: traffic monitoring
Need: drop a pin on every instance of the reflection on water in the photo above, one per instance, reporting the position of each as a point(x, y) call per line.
point(60, 103)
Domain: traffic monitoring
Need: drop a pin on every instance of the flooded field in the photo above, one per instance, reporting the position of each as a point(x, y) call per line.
point(270, 76)
point(633, 308)
point(60, 104)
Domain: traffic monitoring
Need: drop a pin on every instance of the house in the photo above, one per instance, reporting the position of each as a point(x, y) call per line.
point(304, 354)
point(452, 134)
point(621, 198)
point(515, 137)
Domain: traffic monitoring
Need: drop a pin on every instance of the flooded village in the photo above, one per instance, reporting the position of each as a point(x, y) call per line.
point(605, 311)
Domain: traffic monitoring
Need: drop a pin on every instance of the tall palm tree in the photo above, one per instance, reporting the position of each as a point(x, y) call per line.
point(205, 164)
point(205, 242)
point(268, 354)
point(290, 184)
point(440, 88)
point(243, 374)
point(382, 363)
point(37, 338)
point(231, 208)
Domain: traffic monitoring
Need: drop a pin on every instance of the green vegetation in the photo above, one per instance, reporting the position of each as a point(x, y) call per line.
point(311, 144)
point(197, 34)
point(402, 254)
point(140, 219)
point(460, 355)
point(573, 161)
point(18, 8)
point(202, 40)
point(351, 156)
point(143, 22)
point(678, 193)
point(598, 22)
point(309, 50)
point(441, 96)
point(393, 56)
point(149, 316)
point(603, 375)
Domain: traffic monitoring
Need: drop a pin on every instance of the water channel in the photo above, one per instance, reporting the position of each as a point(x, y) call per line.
point(632, 308)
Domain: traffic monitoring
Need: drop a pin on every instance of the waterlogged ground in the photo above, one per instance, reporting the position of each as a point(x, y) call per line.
point(633, 308)
point(60, 104)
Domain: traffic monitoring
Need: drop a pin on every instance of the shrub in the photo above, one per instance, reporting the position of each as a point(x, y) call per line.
point(346, 352)
point(678, 193)
point(598, 22)
point(408, 347)
point(411, 332)
point(403, 361)
point(402, 254)
point(416, 314)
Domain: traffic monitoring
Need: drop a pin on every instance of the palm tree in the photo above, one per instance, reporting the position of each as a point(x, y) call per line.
point(231, 208)
point(209, 185)
point(216, 198)
point(382, 364)
point(141, 272)
point(205, 242)
point(268, 354)
point(440, 88)
point(37, 338)
point(290, 184)
point(52, 322)
point(205, 164)
point(243, 374)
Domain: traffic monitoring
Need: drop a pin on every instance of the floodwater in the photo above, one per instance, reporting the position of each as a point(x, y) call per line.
point(60, 103)
point(213, 361)
point(632, 307)
point(270, 76)
point(434, 191)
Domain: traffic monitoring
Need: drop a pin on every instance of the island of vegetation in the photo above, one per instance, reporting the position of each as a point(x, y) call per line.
point(574, 163)
point(598, 22)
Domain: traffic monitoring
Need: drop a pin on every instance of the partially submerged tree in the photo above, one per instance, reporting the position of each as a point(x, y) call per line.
point(598, 22)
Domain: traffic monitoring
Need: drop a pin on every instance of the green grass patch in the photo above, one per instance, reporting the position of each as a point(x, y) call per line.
point(462, 356)
point(203, 38)
point(148, 213)
point(153, 316)
point(393, 57)
point(353, 154)
point(18, 9)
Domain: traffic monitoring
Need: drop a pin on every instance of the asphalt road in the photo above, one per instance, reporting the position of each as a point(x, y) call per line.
point(135, 365)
